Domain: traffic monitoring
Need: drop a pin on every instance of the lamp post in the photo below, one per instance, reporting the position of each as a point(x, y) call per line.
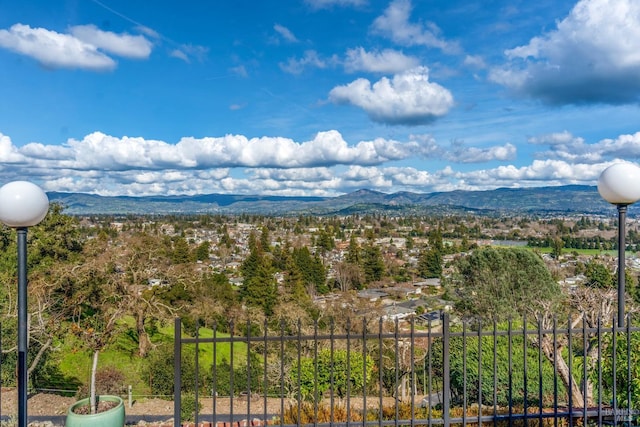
point(22, 205)
point(619, 184)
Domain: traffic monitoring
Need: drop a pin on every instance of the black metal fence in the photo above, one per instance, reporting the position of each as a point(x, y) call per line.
point(380, 373)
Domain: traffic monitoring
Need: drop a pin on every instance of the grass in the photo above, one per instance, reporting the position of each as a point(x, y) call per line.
point(74, 360)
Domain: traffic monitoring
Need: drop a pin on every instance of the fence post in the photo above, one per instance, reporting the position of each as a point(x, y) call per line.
point(177, 377)
point(446, 374)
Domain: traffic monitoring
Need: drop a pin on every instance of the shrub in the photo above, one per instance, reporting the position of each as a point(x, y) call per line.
point(159, 370)
point(189, 407)
point(109, 380)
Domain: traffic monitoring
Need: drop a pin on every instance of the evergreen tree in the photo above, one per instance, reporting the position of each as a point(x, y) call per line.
point(435, 240)
point(311, 268)
point(260, 289)
point(180, 254)
point(294, 283)
point(503, 283)
point(265, 242)
point(430, 264)
point(353, 252)
point(202, 251)
point(372, 262)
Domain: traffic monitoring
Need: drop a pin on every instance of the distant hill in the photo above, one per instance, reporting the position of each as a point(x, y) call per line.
point(571, 199)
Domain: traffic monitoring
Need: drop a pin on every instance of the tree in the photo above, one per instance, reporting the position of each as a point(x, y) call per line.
point(202, 251)
point(372, 263)
point(259, 287)
point(598, 275)
point(293, 283)
point(430, 264)
point(96, 306)
point(181, 253)
point(509, 283)
point(348, 276)
point(353, 252)
point(311, 268)
point(558, 245)
point(503, 283)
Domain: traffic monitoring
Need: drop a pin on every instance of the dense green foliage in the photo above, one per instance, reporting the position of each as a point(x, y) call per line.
point(337, 371)
point(627, 366)
point(472, 365)
point(503, 283)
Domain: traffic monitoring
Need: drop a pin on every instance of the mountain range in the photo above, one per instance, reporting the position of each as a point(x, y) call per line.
point(560, 200)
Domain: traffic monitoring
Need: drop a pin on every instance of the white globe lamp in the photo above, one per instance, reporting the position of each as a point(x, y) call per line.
point(22, 205)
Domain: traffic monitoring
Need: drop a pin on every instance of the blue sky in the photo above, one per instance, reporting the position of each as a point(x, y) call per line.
point(316, 97)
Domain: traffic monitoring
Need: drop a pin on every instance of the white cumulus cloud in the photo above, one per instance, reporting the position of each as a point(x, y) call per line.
point(85, 47)
point(593, 55)
point(408, 98)
point(54, 49)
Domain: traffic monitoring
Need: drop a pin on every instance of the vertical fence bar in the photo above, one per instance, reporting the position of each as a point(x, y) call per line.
point(480, 326)
point(397, 369)
point(315, 372)
point(249, 390)
point(231, 368)
point(197, 369)
point(412, 370)
point(446, 380)
point(282, 371)
point(584, 369)
point(570, 360)
point(525, 368)
point(599, 333)
point(465, 396)
point(1, 367)
point(428, 368)
point(364, 371)
point(299, 361)
point(629, 370)
point(332, 379)
point(214, 368)
point(495, 372)
point(614, 340)
point(510, 362)
point(177, 361)
point(380, 372)
point(349, 370)
point(540, 375)
point(265, 386)
point(555, 371)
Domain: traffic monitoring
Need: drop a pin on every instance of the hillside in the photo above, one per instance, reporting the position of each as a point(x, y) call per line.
point(571, 199)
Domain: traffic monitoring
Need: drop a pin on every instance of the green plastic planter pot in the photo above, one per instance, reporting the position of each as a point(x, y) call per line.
point(114, 417)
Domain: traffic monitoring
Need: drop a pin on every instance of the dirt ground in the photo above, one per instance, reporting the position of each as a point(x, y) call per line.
point(44, 404)
point(52, 404)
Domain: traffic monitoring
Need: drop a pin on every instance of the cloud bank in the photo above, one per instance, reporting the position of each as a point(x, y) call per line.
point(325, 165)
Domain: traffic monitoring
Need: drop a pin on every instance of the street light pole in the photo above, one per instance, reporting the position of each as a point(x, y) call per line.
point(619, 184)
point(22, 326)
point(22, 205)
point(622, 216)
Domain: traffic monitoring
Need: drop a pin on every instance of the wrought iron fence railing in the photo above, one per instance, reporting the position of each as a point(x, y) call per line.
point(377, 372)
